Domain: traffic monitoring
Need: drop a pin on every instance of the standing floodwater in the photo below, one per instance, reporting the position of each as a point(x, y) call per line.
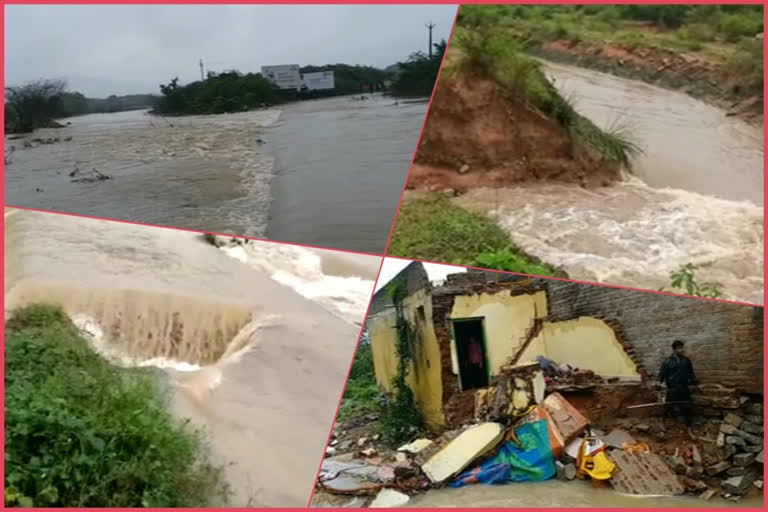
point(341, 165)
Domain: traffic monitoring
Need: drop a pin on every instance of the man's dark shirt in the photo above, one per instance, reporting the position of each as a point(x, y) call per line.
point(677, 372)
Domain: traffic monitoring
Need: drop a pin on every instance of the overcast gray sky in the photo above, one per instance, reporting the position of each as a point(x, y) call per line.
point(121, 49)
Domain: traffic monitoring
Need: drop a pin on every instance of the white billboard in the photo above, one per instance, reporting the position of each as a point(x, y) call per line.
point(285, 77)
point(322, 80)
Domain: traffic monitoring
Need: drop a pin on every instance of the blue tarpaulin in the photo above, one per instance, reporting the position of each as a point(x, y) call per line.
point(532, 461)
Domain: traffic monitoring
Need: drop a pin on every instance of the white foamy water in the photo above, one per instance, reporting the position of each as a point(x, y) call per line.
point(630, 234)
point(301, 268)
point(195, 172)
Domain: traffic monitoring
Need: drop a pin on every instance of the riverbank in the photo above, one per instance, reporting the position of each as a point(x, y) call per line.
point(91, 448)
point(710, 53)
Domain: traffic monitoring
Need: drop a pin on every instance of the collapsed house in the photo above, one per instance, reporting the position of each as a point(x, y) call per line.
point(619, 335)
point(568, 358)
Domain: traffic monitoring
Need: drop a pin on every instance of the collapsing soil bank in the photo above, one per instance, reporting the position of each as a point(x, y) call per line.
point(497, 121)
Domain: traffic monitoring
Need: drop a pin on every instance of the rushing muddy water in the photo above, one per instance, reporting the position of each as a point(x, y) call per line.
point(686, 143)
point(697, 196)
point(257, 353)
point(556, 494)
point(328, 172)
point(341, 166)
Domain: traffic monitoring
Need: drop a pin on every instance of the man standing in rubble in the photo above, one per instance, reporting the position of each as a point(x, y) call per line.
point(678, 375)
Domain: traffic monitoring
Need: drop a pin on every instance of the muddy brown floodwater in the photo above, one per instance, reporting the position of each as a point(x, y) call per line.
point(324, 172)
point(696, 197)
point(255, 343)
point(555, 493)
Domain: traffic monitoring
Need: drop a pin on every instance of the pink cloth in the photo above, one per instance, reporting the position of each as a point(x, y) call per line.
point(475, 354)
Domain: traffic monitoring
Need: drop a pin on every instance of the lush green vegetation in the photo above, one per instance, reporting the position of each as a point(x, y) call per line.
point(233, 91)
point(721, 34)
point(417, 76)
point(82, 433)
point(401, 416)
point(498, 56)
point(434, 229)
point(361, 392)
point(684, 281)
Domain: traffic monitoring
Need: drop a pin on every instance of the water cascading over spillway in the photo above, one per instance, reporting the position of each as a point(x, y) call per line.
point(257, 363)
point(130, 319)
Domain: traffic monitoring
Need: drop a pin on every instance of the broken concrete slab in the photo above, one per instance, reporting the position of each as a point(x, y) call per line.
point(642, 427)
point(474, 442)
point(568, 420)
point(707, 495)
point(728, 429)
point(389, 498)
point(617, 438)
point(735, 440)
point(643, 474)
point(758, 484)
point(738, 485)
point(743, 459)
point(759, 457)
point(736, 471)
point(415, 446)
point(732, 419)
point(718, 468)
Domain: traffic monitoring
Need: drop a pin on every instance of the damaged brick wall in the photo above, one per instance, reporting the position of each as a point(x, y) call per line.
point(724, 341)
point(459, 407)
point(415, 277)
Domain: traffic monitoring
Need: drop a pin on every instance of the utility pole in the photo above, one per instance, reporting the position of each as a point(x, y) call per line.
point(430, 26)
point(202, 76)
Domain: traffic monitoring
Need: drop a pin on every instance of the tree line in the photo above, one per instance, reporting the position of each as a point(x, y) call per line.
point(36, 104)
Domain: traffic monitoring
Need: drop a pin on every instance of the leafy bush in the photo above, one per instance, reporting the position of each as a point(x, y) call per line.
point(82, 433)
point(683, 280)
point(735, 26)
point(509, 261)
point(417, 76)
point(361, 392)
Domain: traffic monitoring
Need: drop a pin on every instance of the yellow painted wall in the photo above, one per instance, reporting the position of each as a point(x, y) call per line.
point(587, 343)
point(424, 377)
point(507, 320)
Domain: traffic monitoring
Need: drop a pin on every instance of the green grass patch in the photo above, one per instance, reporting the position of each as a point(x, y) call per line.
point(81, 433)
point(498, 56)
point(435, 229)
point(361, 392)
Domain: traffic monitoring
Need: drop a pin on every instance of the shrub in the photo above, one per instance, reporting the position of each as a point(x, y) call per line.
point(82, 433)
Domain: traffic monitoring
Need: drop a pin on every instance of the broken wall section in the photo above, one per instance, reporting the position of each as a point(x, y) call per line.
point(724, 341)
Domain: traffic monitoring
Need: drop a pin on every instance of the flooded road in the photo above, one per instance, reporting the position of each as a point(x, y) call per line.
point(696, 198)
point(257, 353)
point(555, 493)
point(330, 173)
point(341, 166)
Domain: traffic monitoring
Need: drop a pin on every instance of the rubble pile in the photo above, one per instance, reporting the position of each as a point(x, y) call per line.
point(522, 430)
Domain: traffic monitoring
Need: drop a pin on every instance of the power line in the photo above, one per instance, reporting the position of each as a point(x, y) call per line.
point(430, 26)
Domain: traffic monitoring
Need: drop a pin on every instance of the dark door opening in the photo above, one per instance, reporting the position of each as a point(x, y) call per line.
point(470, 353)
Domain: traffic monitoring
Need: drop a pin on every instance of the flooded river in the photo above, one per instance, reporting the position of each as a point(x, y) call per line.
point(256, 343)
point(696, 197)
point(325, 172)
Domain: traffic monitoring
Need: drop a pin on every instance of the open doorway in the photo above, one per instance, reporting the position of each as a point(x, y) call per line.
point(470, 352)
